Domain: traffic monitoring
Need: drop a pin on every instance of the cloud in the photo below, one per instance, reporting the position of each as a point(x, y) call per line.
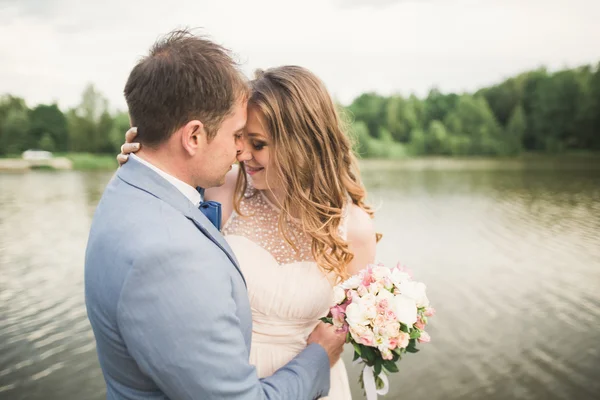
point(373, 3)
point(52, 49)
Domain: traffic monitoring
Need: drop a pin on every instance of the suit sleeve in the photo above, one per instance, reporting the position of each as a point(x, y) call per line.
point(177, 316)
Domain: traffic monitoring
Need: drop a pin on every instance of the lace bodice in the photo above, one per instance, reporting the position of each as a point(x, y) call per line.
point(259, 223)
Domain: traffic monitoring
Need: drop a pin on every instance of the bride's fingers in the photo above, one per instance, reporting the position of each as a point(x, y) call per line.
point(122, 159)
point(127, 148)
point(130, 134)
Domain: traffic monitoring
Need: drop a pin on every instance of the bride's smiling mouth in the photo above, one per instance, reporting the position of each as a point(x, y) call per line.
point(253, 170)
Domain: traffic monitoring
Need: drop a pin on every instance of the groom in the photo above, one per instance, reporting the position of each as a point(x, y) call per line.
point(164, 293)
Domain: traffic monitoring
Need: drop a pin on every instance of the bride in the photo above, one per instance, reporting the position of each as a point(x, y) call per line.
point(294, 215)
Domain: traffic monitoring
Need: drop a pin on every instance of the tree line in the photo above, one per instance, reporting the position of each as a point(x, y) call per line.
point(537, 111)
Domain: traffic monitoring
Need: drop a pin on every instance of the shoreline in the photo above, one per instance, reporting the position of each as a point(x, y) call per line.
point(104, 162)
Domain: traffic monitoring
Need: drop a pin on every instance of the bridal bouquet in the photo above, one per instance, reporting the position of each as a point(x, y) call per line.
point(384, 313)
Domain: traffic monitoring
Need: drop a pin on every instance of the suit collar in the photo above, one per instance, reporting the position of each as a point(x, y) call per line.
point(147, 180)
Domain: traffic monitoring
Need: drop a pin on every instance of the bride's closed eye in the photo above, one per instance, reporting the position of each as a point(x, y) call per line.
point(258, 145)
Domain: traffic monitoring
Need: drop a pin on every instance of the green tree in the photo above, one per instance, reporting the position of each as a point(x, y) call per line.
point(14, 114)
point(15, 132)
point(90, 123)
point(515, 131)
point(437, 106)
point(371, 109)
point(119, 127)
point(474, 119)
point(50, 121)
point(557, 100)
point(437, 140)
point(47, 142)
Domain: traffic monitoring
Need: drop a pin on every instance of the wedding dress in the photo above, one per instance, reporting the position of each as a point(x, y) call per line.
point(288, 291)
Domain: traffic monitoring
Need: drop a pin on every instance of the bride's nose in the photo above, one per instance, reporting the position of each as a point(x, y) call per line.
point(243, 151)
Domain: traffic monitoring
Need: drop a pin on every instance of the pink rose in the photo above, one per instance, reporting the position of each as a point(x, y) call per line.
point(387, 354)
point(393, 343)
point(390, 315)
point(425, 338)
point(367, 338)
point(403, 340)
point(367, 278)
point(430, 312)
point(362, 290)
point(350, 294)
point(379, 321)
point(343, 329)
point(382, 305)
point(419, 324)
point(338, 312)
point(345, 305)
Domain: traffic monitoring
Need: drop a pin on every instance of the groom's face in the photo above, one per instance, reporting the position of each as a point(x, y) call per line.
point(220, 154)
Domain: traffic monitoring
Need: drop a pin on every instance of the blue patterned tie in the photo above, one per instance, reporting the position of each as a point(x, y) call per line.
point(210, 209)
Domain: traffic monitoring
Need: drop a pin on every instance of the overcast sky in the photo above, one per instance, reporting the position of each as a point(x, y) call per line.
point(50, 49)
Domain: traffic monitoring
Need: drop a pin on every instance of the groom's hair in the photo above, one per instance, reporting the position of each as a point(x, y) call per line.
point(185, 77)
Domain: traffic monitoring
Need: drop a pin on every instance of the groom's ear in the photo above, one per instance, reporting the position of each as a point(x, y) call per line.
point(193, 136)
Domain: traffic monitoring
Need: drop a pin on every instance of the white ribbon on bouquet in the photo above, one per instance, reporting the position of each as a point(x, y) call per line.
point(368, 376)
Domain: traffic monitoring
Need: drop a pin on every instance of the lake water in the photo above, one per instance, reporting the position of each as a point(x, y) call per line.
point(510, 252)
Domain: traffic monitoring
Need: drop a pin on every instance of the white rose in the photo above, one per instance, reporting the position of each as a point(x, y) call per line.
point(405, 309)
point(354, 315)
point(351, 283)
point(339, 295)
point(380, 272)
point(398, 277)
point(384, 295)
point(416, 291)
point(369, 305)
point(375, 287)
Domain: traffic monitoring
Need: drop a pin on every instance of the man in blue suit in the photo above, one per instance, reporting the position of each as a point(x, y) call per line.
point(164, 293)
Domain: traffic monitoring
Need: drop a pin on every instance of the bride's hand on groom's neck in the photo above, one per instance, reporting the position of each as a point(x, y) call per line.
point(129, 146)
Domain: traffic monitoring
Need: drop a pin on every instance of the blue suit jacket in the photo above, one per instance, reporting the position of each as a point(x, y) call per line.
point(168, 303)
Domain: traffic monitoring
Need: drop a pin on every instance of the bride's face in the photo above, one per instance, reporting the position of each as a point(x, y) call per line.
point(260, 167)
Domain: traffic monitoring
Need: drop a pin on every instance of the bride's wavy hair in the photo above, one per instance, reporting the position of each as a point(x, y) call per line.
point(313, 159)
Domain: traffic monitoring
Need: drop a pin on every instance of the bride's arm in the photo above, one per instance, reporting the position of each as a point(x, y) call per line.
point(361, 239)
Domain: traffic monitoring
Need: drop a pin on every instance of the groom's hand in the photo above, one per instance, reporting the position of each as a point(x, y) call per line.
point(326, 336)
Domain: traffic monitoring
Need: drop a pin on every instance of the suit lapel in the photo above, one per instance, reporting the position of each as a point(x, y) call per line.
point(143, 178)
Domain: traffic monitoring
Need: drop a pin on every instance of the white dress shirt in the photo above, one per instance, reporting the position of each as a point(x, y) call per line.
point(188, 191)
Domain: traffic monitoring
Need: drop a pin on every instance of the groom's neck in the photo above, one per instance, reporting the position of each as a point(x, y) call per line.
point(167, 162)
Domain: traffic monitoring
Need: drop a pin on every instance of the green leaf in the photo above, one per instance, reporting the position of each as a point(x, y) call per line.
point(415, 334)
point(404, 328)
point(396, 357)
point(357, 348)
point(369, 354)
point(378, 365)
point(390, 366)
point(356, 356)
point(412, 346)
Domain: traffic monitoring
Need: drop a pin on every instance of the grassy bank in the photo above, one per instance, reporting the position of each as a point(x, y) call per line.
point(88, 161)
